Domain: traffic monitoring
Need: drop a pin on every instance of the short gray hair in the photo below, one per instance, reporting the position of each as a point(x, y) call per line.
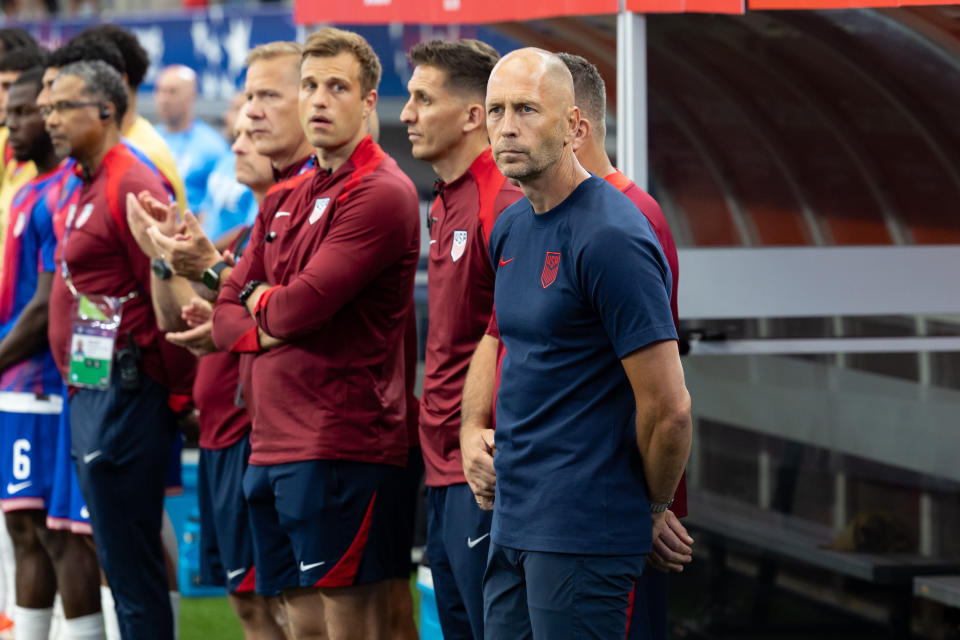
point(101, 82)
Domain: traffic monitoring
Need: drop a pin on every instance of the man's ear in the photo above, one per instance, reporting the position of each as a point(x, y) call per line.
point(476, 118)
point(370, 103)
point(583, 133)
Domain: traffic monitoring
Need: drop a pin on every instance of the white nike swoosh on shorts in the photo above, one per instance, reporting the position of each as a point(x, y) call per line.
point(236, 572)
point(473, 543)
point(20, 486)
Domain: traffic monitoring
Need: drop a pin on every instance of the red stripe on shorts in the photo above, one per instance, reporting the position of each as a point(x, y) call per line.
point(633, 593)
point(248, 583)
point(345, 571)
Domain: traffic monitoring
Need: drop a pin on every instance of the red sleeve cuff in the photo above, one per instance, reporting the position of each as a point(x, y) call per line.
point(248, 342)
point(262, 301)
point(178, 402)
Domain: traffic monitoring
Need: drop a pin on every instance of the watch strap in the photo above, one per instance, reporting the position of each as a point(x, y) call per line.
point(211, 276)
point(219, 267)
point(248, 290)
point(660, 507)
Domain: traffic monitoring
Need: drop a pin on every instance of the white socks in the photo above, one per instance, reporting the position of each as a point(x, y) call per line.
point(109, 609)
point(175, 610)
point(56, 627)
point(89, 627)
point(32, 624)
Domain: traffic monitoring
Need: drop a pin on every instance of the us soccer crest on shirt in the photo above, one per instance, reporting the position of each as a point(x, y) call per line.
point(459, 244)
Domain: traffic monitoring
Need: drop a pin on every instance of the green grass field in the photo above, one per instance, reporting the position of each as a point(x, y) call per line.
point(213, 618)
point(208, 619)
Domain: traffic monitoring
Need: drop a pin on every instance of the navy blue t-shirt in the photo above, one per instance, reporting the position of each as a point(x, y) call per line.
point(578, 288)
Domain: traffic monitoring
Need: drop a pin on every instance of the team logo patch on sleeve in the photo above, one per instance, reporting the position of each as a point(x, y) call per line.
point(318, 208)
point(459, 244)
point(550, 266)
point(21, 222)
point(85, 214)
point(71, 214)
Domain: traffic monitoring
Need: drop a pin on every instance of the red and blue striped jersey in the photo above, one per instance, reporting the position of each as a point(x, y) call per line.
point(28, 250)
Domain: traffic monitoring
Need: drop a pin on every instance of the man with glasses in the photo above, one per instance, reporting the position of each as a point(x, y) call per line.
point(122, 425)
point(30, 388)
point(134, 63)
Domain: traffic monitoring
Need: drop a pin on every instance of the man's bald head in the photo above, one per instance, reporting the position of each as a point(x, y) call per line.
point(174, 95)
point(531, 117)
point(180, 74)
point(538, 64)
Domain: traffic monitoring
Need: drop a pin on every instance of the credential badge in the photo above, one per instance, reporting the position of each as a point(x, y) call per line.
point(459, 244)
point(318, 208)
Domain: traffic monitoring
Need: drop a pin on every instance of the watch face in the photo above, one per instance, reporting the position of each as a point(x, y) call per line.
point(210, 279)
point(161, 269)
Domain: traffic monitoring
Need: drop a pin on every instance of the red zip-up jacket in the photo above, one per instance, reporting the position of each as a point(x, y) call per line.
point(103, 258)
point(460, 287)
point(340, 253)
point(222, 421)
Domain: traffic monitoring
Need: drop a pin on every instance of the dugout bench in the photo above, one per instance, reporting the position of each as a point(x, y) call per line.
point(722, 523)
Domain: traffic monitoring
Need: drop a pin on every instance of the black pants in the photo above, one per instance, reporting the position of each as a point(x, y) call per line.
point(458, 540)
point(121, 445)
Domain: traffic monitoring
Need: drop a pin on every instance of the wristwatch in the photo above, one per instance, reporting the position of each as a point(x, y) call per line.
point(248, 291)
point(660, 507)
point(211, 277)
point(161, 269)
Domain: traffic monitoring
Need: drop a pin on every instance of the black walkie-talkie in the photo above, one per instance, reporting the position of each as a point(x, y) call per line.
point(128, 365)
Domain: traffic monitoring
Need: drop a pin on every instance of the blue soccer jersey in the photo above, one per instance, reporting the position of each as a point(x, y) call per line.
point(578, 288)
point(29, 247)
point(196, 151)
point(227, 204)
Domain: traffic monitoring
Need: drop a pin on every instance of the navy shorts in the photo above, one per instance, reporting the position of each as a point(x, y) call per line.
point(226, 546)
point(458, 539)
point(67, 509)
point(28, 435)
point(324, 523)
point(555, 596)
point(121, 447)
point(648, 610)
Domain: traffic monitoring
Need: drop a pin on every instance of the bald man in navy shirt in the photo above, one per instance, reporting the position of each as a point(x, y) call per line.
point(593, 416)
